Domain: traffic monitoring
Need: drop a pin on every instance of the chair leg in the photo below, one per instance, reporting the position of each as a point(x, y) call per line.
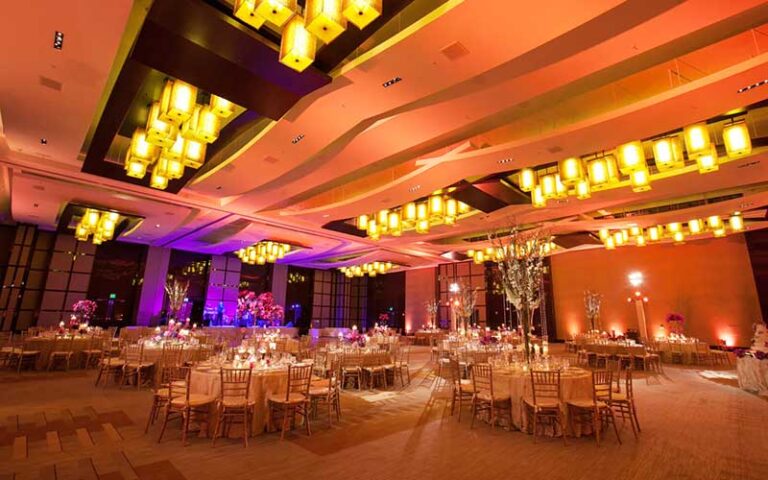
point(474, 412)
point(151, 417)
point(634, 415)
point(615, 428)
point(535, 423)
point(165, 424)
point(306, 419)
point(216, 431)
point(285, 422)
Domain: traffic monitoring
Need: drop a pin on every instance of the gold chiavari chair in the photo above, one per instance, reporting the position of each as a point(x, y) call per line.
point(544, 407)
point(351, 367)
point(160, 393)
point(6, 348)
point(486, 399)
point(135, 366)
point(676, 354)
point(22, 354)
point(92, 352)
point(295, 400)
point(327, 391)
point(624, 403)
point(182, 402)
point(463, 390)
point(720, 356)
point(701, 354)
point(596, 411)
point(401, 364)
point(110, 364)
point(62, 352)
point(235, 404)
point(373, 369)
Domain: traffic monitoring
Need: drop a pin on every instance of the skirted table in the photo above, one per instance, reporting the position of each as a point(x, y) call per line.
point(46, 345)
point(753, 374)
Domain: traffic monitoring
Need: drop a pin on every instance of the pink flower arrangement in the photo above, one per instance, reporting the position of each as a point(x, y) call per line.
point(85, 309)
point(268, 310)
point(355, 338)
point(675, 322)
point(246, 303)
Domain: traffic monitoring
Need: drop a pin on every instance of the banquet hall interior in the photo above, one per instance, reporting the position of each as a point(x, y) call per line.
point(383, 239)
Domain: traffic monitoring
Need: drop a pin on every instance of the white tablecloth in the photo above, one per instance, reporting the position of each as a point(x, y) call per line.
point(753, 375)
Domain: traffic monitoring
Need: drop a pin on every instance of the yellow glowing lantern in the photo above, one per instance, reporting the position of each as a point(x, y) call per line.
point(362, 12)
point(382, 217)
point(245, 10)
point(277, 12)
point(527, 179)
point(174, 169)
point(736, 139)
point(571, 170)
point(618, 238)
point(158, 179)
point(708, 162)
point(678, 237)
point(668, 153)
point(97, 240)
point(549, 186)
point(625, 235)
point(436, 205)
point(91, 219)
point(604, 234)
point(597, 171)
point(697, 140)
point(298, 46)
point(640, 180)
point(714, 222)
point(422, 213)
point(409, 212)
point(654, 234)
point(463, 208)
point(81, 233)
point(610, 243)
point(204, 125)
point(362, 222)
point(631, 157)
point(422, 226)
point(695, 226)
point(373, 229)
point(221, 106)
point(674, 227)
point(194, 153)
point(177, 102)
point(612, 169)
point(159, 132)
point(135, 168)
point(561, 191)
point(736, 221)
point(634, 231)
point(583, 190)
point(479, 257)
point(451, 208)
point(176, 151)
point(719, 232)
point(537, 197)
point(394, 225)
point(324, 19)
point(140, 148)
point(640, 240)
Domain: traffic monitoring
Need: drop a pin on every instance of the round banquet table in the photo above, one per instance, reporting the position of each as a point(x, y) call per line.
point(46, 345)
point(667, 347)
point(614, 348)
point(753, 375)
point(153, 353)
point(207, 381)
point(575, 383)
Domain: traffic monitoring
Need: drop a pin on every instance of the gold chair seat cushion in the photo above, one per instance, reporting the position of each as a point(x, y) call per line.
point(542, 404)
point(237, 402)
point(112, 362)
point(60, 354)
point(318, 391)
point(294, 398)
point(619, 397)
point(27, 352)
point(92, 352)
point(497, 398)
point(195, 400)
point(586, 403)
point(139, 365)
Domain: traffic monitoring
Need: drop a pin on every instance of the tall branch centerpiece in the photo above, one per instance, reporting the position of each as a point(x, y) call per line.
point(432, 307)
point(592, 303)
point(520, 259)
point(176, 290)
point(463, 301)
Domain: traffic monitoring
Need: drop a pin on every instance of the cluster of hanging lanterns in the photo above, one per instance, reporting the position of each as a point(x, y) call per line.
point(371, 269)
point(263, 252)
point(676, 231)
point(323, 20)
point(628, 165)
point(177, 133)
point(437, 209)
point(97, 224)
point(196, 268)
point(496, 254)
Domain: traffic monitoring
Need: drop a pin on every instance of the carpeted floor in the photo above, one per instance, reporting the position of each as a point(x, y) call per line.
point(696, 424)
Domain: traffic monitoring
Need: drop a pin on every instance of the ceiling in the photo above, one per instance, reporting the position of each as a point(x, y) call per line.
point(486, 87)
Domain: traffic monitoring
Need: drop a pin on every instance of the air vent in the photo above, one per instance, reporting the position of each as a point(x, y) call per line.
point(554, 149)
point(455, 51)
point(271, 159)
point(50, 83)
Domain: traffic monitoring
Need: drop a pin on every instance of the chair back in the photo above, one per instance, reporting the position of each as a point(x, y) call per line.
point(64, 344)
point(602, 381)
point(403, 354)
point(134, 353)
point(350, 360)
point(178, 379)
point(545, 385)
point(453, 365)
point(172, 354)
point(628, 390)
point(482, 378)
point(299, 379)
point(236, 385)
point(702, 347)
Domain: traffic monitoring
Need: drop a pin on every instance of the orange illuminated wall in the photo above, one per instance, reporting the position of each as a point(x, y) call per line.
point(709, 281)
point(419, 289)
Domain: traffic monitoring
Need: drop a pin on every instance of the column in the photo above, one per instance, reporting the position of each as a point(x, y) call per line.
point(223, 288)
point(419, 289)
point(153, 286)
point(279, 283)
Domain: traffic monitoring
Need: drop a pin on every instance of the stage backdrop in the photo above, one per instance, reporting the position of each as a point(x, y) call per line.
point(709, 281)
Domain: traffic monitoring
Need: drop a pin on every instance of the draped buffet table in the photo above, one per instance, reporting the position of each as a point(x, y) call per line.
point(753, 374)
point(575, 383)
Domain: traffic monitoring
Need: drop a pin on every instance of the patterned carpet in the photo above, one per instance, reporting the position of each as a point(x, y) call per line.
point(696, 425)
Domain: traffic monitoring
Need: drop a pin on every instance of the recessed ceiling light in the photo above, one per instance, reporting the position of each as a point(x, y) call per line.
point(326, 215)
point(504, 161)
point(391, 82)
point(157, 225)
point(297, 138)
point(58, 40)
point(414, 188)
point(754, 85)
point(43, 141)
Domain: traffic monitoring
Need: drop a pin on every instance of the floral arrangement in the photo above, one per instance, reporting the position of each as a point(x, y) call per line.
point(268, 310)
point(488, 340)
point(175, 331)
point(246, 303)
point(177, 293)
point(592, 303)
point(432, 307)
point(384, 319)
point(521, 267)
point(675, 321)
point(380, 329)
point(355, 338)
point(84, 310)
point(744, 352)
